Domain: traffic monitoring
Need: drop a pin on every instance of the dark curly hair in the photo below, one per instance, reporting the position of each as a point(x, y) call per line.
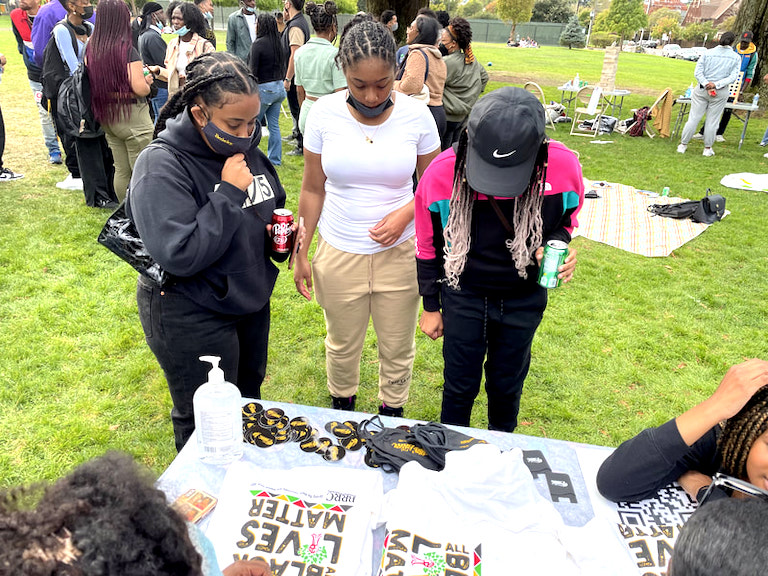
point(105, 518)
point(193, 18)
point(740, 433)
point(212, 77)
point(368, 39)
point(323, 17)
point(460, 31)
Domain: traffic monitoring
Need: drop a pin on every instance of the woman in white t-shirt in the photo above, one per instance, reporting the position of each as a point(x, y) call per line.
point(360, 149)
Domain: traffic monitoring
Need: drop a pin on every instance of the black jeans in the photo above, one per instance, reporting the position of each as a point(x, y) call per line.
point(499, 331)
point(179, 331)
point(452, 133)
point(293, 104)
point(2, 138)
point(97, 169)
point(67, 141)
point(438, 113)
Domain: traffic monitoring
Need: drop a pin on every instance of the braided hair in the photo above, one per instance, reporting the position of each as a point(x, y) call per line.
point(526, 221)
point(212, 77)
point(367, 39)
point(460, 31)
point(323, 17)
point(741, 431)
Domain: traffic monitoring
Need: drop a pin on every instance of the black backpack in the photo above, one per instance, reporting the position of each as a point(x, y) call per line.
point(74, 106)
point(55, 70)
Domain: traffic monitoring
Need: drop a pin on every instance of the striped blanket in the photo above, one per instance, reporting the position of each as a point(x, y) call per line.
point(620, 218)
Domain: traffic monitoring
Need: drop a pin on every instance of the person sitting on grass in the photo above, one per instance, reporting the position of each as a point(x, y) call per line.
point(694, 446)
point(104, 518)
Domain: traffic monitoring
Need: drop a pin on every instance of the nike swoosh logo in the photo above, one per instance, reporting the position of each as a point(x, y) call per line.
point(497, 155)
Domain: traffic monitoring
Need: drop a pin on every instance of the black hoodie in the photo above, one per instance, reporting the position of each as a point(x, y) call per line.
point(208, 233)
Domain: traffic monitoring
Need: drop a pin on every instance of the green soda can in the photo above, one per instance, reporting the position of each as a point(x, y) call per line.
point(555, 253)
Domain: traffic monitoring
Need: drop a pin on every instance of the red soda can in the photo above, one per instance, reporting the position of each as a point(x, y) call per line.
point(282, 229)
point(713, 92)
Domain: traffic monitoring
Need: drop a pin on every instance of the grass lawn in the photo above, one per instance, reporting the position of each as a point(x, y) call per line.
point(630, 343)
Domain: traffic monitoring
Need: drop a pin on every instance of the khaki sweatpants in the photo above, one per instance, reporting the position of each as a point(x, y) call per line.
point(127, 138)
point(351, 288)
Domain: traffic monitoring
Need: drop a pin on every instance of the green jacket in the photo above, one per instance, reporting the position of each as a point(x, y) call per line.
point(463, 85)
point(238, 37)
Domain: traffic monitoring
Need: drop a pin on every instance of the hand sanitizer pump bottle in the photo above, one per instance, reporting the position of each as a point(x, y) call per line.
point(218, 417)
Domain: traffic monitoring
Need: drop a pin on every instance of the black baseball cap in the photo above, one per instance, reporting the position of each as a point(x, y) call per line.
point(747, 36)
point(506, 129)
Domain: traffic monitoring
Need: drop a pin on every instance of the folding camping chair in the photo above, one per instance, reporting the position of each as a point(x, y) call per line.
point(592, 107)
point(653, 111)
point(536, 90)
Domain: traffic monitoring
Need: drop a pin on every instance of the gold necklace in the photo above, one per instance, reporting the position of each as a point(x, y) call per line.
point(368, 139)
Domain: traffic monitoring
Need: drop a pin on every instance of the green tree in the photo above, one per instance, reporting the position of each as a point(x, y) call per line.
point(601, 22)
point(471, 9)
point(515, 11)
point(552, 11)
point(625, 17)
point(668, 26)
point(697, 31)
point(661, 13)
point(585, 14)
point(753, 16)
point(450, 6)
point(573, 35)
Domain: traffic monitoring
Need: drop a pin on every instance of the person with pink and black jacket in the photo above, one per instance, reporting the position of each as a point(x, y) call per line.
point(484, 211)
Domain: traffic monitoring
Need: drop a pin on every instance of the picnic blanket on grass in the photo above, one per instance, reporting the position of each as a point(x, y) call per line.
point(620, 218)
point(746, 181)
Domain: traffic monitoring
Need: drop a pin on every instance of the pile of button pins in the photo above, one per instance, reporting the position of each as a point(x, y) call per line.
point(271, 426)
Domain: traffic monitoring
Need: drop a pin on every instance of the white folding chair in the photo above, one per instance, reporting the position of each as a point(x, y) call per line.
point(592, 108)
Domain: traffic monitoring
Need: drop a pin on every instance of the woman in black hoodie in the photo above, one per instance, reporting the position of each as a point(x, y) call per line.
point(202, 197)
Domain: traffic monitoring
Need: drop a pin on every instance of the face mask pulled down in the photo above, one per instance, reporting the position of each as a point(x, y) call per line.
point(368, 111)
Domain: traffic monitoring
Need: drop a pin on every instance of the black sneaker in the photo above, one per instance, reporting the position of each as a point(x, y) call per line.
point(347, 404)
point(385, 410)
point(6, 175)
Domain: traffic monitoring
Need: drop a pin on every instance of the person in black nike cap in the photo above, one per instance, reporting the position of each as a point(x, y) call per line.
point(485, 209)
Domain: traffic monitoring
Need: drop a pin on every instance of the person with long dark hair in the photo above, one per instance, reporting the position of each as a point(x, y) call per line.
point(484, 213)
point(189, 43)
point(119, 89)
point(295, 35)
point(727, 432)
point(424, 66)
point(152, 49)
point(267, 62)
point(94, 157)
point(362, 148)
point(465, 78)
point(317, 72)
point(202, 198)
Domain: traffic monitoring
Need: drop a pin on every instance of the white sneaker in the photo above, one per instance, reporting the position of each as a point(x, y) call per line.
point(765, 155)
point(698, 136)
point(264, 132)
point(682, 148)
point(70, 183)
point(7, 175)
point(719, 138)
point(708, 152)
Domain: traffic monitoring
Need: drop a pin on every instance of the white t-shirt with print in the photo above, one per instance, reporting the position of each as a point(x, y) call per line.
point(368, 168)
point(306, 520)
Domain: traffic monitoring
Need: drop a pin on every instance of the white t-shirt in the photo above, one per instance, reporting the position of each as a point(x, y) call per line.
point(251, 20)
point(183, 60)
point(366, 180)
point(483, 511)
point(318, 519)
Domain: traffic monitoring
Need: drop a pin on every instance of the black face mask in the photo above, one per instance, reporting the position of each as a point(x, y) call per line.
point(87, 12)
point(367, 111)
point(443, 49)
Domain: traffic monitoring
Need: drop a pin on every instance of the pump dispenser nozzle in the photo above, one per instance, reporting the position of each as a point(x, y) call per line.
point(216, 374)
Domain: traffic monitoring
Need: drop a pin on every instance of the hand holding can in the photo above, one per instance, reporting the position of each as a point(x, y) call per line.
point(282, 231)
